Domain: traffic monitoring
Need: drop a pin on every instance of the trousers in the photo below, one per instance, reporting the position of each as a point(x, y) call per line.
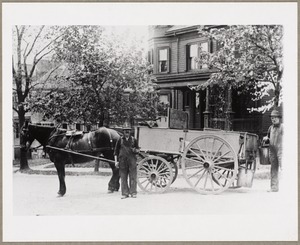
point(275, 160)
point(127, 169)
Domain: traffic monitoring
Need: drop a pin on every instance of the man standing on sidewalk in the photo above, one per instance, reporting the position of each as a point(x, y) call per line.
point(274, 139)
point(125, 158)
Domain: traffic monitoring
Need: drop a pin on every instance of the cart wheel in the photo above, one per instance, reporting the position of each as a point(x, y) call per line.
point(155, 174)
point(209, 164)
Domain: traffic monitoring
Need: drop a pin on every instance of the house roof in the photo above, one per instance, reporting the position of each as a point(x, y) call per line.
point(181, 29)
point(53, 78)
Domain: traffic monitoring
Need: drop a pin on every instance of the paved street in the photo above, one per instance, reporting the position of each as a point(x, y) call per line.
point(179, 214)
point(87, 195)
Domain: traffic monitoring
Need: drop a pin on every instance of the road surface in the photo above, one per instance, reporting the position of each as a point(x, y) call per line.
point(237, 214)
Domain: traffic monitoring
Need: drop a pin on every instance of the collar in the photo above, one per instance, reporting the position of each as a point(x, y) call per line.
point(127, 138)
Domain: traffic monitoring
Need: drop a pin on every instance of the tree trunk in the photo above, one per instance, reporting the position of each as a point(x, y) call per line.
point(277, 95)
point(23, 149)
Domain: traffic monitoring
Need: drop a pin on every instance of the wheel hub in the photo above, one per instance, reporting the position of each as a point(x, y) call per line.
point(153, 176)
point(208, 165)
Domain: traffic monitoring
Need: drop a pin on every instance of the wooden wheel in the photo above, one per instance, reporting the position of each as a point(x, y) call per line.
point(155, 174)
point(209, 164)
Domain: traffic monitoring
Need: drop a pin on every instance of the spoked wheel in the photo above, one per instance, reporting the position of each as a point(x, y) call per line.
point(155, 174)
point(209, 164)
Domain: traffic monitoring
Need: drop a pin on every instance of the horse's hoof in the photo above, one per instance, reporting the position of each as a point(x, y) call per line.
point(59, 194)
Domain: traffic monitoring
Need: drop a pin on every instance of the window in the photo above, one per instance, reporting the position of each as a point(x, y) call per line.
point(164, 98)
point(193, 52)
point(163, 61)
point(237, 51)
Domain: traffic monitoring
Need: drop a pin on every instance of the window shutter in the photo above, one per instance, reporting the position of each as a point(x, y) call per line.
point(151, 56)
point(157, 60)
point(210, 45)
point(198, 56)
point(187, 55)
point(169, 60)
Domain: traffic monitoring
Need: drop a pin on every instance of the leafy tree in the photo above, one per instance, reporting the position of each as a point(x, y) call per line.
point(31, 44)
point(108, 79)
point(248, 58)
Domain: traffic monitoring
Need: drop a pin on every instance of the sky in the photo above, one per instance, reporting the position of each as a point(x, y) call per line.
point(127, 32)
point(130, 32)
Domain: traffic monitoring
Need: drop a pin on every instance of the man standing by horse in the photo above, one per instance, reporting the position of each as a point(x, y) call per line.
point(125, 151)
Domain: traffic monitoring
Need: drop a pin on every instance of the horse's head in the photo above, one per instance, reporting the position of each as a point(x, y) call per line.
point(27, 137)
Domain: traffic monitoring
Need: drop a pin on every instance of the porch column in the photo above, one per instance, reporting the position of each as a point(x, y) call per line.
point(229, 113)
point(173, 99)
point(207, 113)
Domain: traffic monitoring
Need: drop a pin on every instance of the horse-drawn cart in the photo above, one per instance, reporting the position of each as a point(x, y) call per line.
point(211, 160)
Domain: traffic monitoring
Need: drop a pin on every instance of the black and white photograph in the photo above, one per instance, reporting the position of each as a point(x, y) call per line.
point(149, 122)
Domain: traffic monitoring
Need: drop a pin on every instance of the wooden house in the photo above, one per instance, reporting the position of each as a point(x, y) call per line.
point(172, 51)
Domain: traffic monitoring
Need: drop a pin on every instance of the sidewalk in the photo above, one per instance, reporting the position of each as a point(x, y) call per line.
point(49, 168)
point(262, 171)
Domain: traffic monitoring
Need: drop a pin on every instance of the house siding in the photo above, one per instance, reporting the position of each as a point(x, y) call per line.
point(176, 80)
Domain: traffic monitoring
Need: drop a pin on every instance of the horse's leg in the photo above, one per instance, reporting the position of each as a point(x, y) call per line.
point(114, 183)
point(60, 167)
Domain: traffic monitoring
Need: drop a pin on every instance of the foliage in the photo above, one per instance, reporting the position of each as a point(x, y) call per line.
point(107, 79)
point(248, 57)
point(31, 44)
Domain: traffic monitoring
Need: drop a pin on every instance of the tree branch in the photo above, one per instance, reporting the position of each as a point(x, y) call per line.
point(35, 62)
point(34, 41)
point(47, 78)
point(15, 109)
point(52, 41)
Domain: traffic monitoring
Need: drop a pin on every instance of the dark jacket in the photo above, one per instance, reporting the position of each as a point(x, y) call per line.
point(126, 148)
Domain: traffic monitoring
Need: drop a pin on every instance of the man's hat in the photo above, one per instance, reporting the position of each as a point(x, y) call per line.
point(126, 126)
point(275, 113)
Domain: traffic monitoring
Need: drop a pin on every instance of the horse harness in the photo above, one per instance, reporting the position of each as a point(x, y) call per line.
point(80, 133)
point(103, 148)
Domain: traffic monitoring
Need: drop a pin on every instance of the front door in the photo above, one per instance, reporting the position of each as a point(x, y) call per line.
point(194, 105)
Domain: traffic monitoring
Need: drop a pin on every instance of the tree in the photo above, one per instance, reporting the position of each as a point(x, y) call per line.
point(248, 58)
point(31, 45)
point(108, 79)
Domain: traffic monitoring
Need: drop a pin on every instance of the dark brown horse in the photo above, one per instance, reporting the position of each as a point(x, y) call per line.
point(95, 143)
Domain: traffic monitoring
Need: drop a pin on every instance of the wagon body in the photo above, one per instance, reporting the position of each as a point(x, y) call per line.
point(173, 141)
point(211, 160)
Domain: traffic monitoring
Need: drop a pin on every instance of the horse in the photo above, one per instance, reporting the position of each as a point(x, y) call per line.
point(64, 149)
